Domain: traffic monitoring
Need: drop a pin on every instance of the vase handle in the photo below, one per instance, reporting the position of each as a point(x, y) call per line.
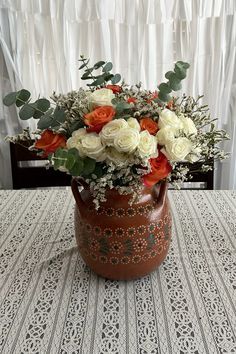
point(160, 195)
point(75, 191)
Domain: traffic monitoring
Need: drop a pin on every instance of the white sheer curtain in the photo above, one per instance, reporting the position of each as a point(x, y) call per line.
point(41, 41)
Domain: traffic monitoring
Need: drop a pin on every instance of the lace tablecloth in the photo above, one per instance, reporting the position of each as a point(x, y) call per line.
point(50, 302)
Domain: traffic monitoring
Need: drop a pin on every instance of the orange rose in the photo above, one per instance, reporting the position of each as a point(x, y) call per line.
point(99, 117)
point(160, 169)
point(149, 125)
point(50, 142)
point(114, 88)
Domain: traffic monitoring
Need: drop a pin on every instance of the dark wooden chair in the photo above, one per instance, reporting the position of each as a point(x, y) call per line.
point(38, 176)
point(202, 180)
point(26, 176)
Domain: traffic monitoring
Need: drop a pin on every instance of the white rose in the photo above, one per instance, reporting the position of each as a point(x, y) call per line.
point(110, 130)
point(188, 125)
point(75, 140)
point(91, 146)
point(178, 149)
point(169, 118)
point(127, 140)
point(165, 134)
point(118, 158)
point(147, 145)
point(102, 97)
point(133, 123)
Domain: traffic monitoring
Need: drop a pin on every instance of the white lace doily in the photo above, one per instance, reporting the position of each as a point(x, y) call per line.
point(50, 302)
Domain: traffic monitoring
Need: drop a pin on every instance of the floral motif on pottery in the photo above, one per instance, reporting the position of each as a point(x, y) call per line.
point(120, 241)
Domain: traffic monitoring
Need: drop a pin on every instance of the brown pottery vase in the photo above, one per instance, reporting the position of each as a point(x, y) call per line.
point(119, 240)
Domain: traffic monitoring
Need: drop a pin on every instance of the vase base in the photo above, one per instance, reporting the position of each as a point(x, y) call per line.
point(124, 272)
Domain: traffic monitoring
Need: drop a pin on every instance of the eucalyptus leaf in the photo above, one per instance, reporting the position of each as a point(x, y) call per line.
point(86, 76)
point(59, 115)
point(180, 73)
point(75, 125)
point(89, 70)
point(60, 158)
point(164, 88)
point(46, 120)
point(99, 64)
point(114, 101)
point(121, 106)
point(108, 76)
point(77, 169)
point(183, 64)
point(175, 85)
point(167, 75)
point(42, 104)
point(37, 114)
point(89, 166)
point(22, 95)
point(98, 82)
point(27, 111)
point(84, 64)
point(9, 99)
point(107, 67)
point(71, 159)
point(164, 97)
point(73, 151)
point(116, 78)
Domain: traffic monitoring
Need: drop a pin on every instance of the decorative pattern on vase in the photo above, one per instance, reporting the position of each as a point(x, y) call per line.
point(124, 245)
point(123, 236)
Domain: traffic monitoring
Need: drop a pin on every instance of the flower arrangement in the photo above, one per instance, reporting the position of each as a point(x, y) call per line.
point(122, 137)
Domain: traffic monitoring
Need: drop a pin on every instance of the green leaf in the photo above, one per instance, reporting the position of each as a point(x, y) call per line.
point(175, 85)
point(84, 64)
point(60, 158)
point(108, 76)
point(89, 70)
point(37, 114)
point(99, 64)
point(164, 97)
point(59, 115)
point(121, 106)
point(42, 104)
point(116, 78)
point(9, 99)
point(107, 67)
point(22, 95)
point(73, 151)
point(167, 75)
point(77, 169)
point(98, 82)
point(115, 101)
point(180, 73)
point(45, 120)
point(27, 111)
point(183, 64)
point(71, 159)
point(86, 76)
point(76, 125)
point(89, 166)
point(175, 82)
point(164, 88)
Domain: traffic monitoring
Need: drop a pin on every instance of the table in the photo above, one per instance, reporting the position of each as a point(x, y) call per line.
point(50, 302)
